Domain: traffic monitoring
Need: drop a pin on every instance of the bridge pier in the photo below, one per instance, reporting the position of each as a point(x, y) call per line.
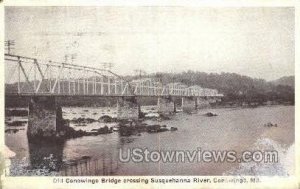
point(212, 99)
point(44, 118)
point(202, 102)
point(189, 104)
point(166, 105)
point(128, 108)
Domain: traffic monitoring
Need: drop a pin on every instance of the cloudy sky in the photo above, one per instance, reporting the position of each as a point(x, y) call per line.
point(258, 42)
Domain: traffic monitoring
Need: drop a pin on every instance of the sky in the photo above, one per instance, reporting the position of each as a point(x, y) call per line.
point(253, 41)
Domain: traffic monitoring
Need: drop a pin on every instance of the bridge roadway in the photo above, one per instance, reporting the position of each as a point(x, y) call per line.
point(43, 81)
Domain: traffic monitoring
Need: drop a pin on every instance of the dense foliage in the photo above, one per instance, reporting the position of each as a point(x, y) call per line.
point(235, 87)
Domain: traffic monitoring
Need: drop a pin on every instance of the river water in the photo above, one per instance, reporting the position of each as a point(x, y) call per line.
point(237, 129)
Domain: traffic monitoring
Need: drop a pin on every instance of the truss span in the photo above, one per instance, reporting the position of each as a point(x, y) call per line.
point(29, 76)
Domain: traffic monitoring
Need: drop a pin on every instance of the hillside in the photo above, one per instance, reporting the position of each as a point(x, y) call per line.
point(287, 80)
point(235, 87)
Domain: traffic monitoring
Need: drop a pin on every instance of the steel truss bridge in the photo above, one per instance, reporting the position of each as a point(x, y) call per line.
point(25, 76)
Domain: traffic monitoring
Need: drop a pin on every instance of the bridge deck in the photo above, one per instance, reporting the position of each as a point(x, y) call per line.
point(97, 95)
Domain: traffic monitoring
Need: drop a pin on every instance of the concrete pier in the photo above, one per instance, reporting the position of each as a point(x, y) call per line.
point(211, 99)
point(128, 108)
point(45, 117)
point(202, 102)
point(189, 104)
point(166, 105)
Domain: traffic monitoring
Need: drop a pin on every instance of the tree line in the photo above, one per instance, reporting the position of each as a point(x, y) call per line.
point(236, 88)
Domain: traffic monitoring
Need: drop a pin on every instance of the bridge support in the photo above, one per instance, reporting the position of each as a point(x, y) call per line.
point(128, 108)
point(44, 118)
point(202, 102)
point(166, 105)
point(189, 104)
point(212, 99)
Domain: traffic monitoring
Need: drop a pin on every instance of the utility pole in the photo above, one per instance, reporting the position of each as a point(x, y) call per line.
point(159, 77)
point(9, 45)
point(35, 51)
point(66, 58)
point(73, 57)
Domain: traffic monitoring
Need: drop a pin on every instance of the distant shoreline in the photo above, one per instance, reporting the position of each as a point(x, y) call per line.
point(210, 107)
point(254, 106)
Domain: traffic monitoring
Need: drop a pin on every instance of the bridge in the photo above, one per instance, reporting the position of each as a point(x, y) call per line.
point(44, 80)
point(49, 78)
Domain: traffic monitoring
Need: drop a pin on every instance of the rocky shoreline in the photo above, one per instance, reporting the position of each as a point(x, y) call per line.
point(125, 127)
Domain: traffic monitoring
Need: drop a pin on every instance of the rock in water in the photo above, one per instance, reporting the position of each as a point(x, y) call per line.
point(209, 114)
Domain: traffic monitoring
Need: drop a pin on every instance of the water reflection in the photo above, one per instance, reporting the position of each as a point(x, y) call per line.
point(86, 166)
point(46, 155)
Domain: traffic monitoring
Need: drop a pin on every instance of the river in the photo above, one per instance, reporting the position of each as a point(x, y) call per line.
point(237, 129)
